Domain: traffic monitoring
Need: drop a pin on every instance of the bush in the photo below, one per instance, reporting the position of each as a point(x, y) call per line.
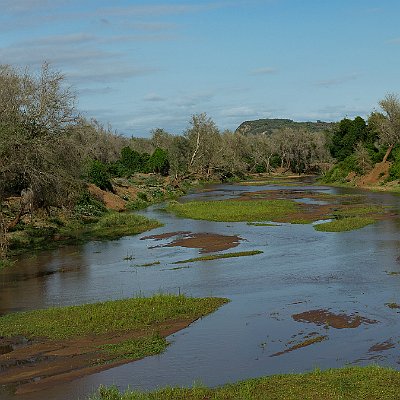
point(341, 170)
point(394, 171)
point(89, 207)
point(98, 174)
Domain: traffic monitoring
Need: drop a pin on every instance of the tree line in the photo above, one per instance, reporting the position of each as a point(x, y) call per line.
point(49, 149)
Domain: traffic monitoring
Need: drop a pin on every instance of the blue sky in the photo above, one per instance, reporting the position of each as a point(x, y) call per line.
point(139, 65)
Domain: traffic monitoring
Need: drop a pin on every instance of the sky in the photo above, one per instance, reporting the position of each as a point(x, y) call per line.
point(141, 65)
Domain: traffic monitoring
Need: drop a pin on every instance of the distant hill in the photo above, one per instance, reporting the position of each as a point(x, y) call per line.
point(270, 125)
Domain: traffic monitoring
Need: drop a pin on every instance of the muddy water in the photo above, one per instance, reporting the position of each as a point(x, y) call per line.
point(321, 295)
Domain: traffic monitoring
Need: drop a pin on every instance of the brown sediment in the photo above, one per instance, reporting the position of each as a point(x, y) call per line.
point(305, 343)
point(386, 345)
point(329, 319)
point(166, 235)
point(39, 364)
point(207, 242)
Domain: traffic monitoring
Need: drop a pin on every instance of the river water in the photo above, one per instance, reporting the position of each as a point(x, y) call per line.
point(349, 274)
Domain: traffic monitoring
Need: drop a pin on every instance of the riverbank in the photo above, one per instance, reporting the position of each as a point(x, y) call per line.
point(98, 215)
point(43, 348)
point(368, 383)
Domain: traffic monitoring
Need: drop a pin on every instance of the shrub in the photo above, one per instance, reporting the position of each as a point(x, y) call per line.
point(98, 174)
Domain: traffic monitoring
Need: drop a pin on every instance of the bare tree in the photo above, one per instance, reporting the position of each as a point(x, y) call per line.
point(388, 122)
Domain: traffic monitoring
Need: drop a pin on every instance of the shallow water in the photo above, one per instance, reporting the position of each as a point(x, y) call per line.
point(301, 270)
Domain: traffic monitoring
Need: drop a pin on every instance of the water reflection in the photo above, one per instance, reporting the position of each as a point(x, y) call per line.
point(300, 270)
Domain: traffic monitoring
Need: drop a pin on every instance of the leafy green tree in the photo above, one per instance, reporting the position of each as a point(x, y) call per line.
point(98, 174)
point(131, 160)
point(346, 137)
point(158, 162)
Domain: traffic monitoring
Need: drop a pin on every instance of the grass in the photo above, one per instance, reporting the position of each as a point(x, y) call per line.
point(136, 348)
point(367, 383)
point(235, 211)
point(110, 225)
point(219, 256)
point(344, 224)
point(113, 225)
point(107, 317)
point(6, 263)
point(261, 224)
point(147, 264)
point(392, 305)
point(357, 211)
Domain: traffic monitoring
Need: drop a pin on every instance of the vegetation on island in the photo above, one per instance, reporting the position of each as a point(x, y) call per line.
point(369, 383)
point(235, 211)
point(92, 337)
point(212, 257)
point(344, 217)
point(135, 314)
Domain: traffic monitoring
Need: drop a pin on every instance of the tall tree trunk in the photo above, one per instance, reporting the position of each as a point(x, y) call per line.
point(388, 151)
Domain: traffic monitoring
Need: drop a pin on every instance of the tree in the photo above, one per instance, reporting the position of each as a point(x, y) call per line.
point(388, 122)
point(346, 137)
point(37, 151)
point(158, 162)
point(204, 145)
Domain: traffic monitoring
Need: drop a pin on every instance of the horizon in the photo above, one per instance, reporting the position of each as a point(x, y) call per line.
point(145, 65)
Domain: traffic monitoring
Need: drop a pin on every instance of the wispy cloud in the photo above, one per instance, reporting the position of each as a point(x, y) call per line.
point(108, 73)
point(337, 81)
point(18, 6)
point(153, 97)
point(69, 39)
point(160, 9)
point(264, 71)
point(95, 91)
point(393, 41)
point(240, 111)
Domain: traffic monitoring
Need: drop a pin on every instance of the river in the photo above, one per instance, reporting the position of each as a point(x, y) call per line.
point(279, 299)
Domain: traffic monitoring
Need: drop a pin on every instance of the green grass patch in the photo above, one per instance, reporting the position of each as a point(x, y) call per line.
point(358, 211)
point(344, 224)
point(147, 264)
point(107, 317)
point(136, 348)
point(219, 256)
point(261, 224)
point(367, 383)
point(113, 225)
point(235, 211)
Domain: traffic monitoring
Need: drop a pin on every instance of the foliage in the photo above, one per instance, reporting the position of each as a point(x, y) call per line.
point(88, 206)
point(158, 162)
point(347, 135)
point(98, 174)
point(394, 170)
point(121, 316)
point(341, 170)
point(368, 383)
